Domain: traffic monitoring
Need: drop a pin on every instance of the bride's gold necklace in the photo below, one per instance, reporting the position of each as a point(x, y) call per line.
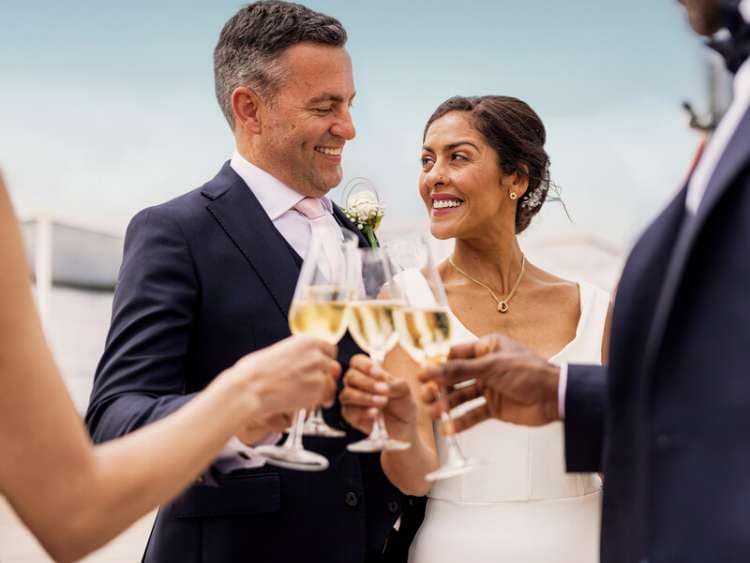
point(502, 304)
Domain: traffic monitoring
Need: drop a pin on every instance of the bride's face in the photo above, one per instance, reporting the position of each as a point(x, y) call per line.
point(461, 183)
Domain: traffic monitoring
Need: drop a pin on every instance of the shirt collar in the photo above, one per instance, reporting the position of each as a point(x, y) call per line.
point(275, 197)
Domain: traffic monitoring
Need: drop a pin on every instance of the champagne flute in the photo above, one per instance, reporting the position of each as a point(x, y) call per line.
point(372, 325)
point(424, 327)
point(315, 425)
point(318, 309)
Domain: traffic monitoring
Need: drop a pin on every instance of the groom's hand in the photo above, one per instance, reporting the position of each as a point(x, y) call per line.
point(519, 386)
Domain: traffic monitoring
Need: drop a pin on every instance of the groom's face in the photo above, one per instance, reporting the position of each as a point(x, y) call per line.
point(306, 125)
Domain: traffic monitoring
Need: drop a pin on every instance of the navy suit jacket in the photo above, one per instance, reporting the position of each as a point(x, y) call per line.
point(668, 421)
point(205, 279)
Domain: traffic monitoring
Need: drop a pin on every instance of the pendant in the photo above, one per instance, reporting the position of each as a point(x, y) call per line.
point(502, 307)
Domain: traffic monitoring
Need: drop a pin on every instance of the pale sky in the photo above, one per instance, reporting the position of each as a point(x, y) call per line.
point(107, 107)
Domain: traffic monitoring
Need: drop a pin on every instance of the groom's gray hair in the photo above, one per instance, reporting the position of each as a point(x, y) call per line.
point(253, 40)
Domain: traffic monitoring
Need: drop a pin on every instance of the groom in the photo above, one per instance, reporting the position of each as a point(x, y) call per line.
point(668, 420)
point(209, 277)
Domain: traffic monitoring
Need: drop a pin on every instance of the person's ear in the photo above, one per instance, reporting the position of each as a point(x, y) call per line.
point(516, 183)
point(247, 108)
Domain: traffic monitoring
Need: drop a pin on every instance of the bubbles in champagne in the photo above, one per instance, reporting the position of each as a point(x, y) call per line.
point(425, 333)
point(372, 324)
point(320, 311)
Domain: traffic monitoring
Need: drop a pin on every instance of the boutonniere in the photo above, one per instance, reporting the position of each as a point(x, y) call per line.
point(363, 208)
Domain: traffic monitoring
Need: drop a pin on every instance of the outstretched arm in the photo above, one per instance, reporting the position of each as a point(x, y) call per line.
point(75, 497)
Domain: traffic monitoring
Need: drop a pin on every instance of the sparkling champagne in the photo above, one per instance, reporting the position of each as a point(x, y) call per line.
point(320, 311)
point(373, 324)
point(425, 333)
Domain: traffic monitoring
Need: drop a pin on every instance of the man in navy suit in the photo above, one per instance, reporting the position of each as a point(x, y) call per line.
point(209, 277)
point(668, 419)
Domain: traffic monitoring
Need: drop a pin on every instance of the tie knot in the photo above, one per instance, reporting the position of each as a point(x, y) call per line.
point(311, 207)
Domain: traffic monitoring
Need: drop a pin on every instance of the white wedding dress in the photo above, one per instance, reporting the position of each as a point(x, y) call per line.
point(521, 507)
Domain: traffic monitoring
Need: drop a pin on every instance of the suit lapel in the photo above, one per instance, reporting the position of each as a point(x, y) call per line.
point(730, 164)
point(238, 211)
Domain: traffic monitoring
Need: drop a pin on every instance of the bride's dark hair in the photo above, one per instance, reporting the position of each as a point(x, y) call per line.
point(517, 134)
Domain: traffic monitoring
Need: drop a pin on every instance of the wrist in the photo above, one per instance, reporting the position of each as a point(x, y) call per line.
point(404, 430)
point(239, 393)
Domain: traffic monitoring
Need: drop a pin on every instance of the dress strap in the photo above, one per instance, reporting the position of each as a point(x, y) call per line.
point(594, 309)
point(415, 288)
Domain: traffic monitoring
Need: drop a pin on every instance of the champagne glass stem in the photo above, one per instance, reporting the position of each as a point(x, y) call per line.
point(378, 427)
point(296, 435)
point(456, 462)
point(450, 435)
point(378, 439)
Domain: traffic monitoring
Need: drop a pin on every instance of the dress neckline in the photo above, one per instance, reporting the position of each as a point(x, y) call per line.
point(583, 306)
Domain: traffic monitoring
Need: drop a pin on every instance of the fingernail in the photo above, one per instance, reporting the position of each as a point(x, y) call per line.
point(379, 399)
point(381, 387)
point(375, 370)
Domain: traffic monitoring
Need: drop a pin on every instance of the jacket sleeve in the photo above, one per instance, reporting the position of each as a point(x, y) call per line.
point(141, 376)
point(585, 404)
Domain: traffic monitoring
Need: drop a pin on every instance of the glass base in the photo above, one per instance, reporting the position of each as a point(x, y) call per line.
point(369, 445)
point(318, 427)
point(454, 469)
point(293, 458)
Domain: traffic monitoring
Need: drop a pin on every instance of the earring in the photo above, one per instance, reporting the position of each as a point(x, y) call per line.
point(513, 195)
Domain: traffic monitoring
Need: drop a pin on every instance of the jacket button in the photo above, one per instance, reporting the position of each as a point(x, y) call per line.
point(351, 499)
point(393, 507)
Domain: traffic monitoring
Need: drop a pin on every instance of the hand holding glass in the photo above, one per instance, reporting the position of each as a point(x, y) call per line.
point(318, 309)
point(372, 325)
point(424, 327)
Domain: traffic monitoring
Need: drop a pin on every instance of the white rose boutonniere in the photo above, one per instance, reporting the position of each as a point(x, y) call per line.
point(363, 208)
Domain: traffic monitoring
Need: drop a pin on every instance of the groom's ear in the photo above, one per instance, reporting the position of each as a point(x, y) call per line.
point(246, 106)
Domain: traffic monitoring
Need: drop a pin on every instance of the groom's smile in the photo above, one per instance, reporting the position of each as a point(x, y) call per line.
point(333, 154)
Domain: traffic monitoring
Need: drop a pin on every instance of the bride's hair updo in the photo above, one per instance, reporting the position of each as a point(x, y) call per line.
point(517, 134)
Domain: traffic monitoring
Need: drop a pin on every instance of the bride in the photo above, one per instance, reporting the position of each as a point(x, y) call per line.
point(484, 176)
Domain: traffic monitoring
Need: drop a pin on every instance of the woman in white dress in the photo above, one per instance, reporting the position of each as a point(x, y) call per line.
point(484, 176)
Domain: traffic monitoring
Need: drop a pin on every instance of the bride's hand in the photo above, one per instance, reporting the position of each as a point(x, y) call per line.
point(369, 390)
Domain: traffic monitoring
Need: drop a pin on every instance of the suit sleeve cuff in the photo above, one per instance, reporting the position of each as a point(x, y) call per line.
point(585, 400)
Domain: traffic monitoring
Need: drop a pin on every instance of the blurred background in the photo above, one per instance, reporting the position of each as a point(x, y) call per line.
point(108, 107)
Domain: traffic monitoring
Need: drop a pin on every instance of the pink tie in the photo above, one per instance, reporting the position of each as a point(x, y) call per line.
point(325, 230)
point(311, 207)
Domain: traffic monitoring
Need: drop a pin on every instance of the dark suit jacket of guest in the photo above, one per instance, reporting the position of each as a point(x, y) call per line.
point(669, 420)
point(205, 279)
